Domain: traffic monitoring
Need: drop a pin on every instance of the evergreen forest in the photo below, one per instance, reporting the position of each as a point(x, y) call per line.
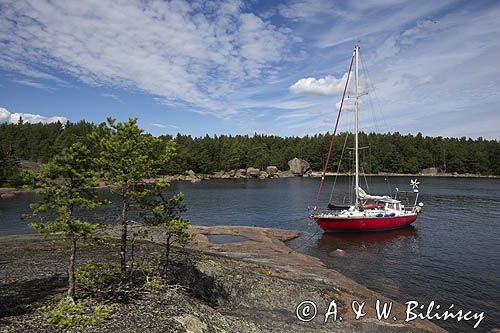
point(23, 142)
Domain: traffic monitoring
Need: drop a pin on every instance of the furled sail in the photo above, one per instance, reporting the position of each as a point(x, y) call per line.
point(384, 198)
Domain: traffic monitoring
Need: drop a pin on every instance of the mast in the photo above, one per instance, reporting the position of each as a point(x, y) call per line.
point(356, 111)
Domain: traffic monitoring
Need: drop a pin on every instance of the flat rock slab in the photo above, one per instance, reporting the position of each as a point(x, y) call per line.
point(265, 249)
point(256, 286)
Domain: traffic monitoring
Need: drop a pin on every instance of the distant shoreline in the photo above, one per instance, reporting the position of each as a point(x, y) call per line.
point(389, 174)
point(6, 192)
point(318, 174)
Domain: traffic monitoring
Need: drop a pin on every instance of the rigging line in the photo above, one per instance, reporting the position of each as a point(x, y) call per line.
point(333, 135)
point(377, 102)
point(376, 99)
point(370, 99)
point(364, 176)
point(304, 241)
point(351, 193)
point(364, 68)
point(338, 168)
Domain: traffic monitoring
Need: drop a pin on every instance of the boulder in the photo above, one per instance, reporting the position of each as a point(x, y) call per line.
point(218, 174)
point(285, 174)
point(240, 173)
point(272, 170)
point(178, 177)
point(190, 173)
point(263, 175)
point(231, 173)
point(299, 166)
point(430, 171)
point(253, 172)
point(338, 253)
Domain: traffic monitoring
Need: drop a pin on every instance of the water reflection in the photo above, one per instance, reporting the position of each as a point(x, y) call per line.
point(392, 238)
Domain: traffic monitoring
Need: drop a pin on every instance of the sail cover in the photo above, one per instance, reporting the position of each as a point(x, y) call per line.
point(384, 198)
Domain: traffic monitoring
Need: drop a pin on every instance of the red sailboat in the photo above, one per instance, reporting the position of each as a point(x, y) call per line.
point(369, 212)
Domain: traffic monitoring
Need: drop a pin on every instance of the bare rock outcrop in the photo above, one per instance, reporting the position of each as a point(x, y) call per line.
point(190, 173)
point(253, 172)
point(299, 167)
point(240, 173)
point(272, 171)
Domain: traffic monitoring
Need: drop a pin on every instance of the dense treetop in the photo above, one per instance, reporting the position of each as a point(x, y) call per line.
point(390, 152)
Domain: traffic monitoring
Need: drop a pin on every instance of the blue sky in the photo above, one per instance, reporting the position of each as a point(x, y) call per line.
point(257, 66)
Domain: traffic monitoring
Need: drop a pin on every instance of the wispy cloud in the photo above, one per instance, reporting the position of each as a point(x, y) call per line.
point(112, 96)
point(12, 118)
point(308, 9)
point(165, 126)
point(436, 67)
point(33, 84)
point(15, 64)
point(192, 53)
point(267, 67)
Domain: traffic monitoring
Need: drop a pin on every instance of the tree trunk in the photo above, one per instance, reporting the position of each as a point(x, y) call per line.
point(132, 253)
point(123, 246)
point(71, 271)
point(167, 253)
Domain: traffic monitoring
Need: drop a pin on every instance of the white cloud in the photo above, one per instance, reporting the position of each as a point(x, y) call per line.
point(192, 53)
point(164, 126)
point(13, 118)
point(329, 85)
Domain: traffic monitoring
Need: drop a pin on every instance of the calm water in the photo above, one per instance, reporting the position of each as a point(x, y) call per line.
point(449, 256)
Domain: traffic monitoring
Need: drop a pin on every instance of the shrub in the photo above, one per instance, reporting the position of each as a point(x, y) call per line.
point(68, 314)
point(154, 283)
point(96, 275)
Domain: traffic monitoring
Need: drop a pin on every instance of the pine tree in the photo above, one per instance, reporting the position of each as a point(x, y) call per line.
point(67, 185)
point(165, 211)
point(129, 159)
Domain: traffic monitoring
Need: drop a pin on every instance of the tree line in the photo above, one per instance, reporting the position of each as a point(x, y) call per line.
point(389, 152)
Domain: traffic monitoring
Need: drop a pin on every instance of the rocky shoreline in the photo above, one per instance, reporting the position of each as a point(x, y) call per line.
point(301, 168)
point(255, 173)
point(297, 168)
point(251, 285)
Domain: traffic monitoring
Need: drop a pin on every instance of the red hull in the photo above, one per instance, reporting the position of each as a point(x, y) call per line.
point(365, 224)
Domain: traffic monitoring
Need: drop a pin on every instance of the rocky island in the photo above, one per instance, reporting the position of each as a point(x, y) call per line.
point(237, 279)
